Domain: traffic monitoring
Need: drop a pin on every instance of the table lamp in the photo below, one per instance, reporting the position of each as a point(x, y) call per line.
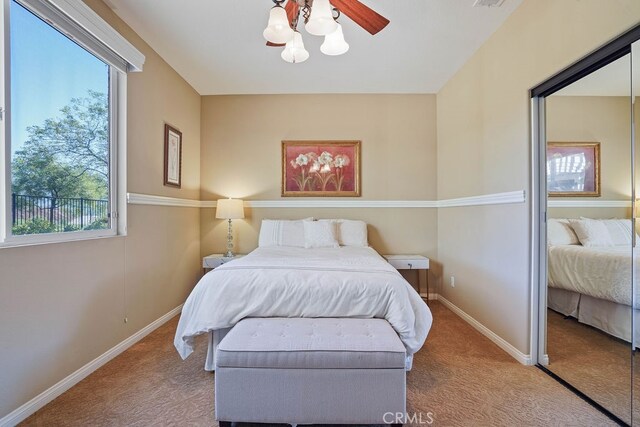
point(229, 209)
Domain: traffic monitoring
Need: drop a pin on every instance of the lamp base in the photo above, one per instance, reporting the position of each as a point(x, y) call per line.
point(229, 253)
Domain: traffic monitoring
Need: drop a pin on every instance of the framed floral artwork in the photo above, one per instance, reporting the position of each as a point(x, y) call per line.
point(573, 169)
point(172, 156)
point(321, 168)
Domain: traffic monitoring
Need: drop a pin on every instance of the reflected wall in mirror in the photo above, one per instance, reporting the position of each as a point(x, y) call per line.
point(589, 252)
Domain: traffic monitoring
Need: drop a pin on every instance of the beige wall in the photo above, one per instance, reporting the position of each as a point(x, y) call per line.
point(241, 141)
point(62, 305)
point(484, 147)
point(600, 212)
point(604, 119)
point(241, 157)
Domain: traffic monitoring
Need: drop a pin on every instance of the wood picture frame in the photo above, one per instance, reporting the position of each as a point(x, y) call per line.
point(573, 169)
point(321, 168)
point(172, 156)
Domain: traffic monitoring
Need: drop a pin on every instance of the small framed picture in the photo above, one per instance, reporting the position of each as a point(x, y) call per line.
point(172, 156)
point(573, 169)
point(321, 168)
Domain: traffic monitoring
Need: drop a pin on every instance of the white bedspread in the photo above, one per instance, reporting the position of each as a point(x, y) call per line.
point(603, 272)
point(294, 282)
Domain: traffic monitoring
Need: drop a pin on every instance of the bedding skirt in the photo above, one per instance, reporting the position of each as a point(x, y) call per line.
point(610, 317)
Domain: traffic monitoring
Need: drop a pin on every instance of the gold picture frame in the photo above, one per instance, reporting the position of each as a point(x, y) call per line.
point(321, 168)
point(573, 169)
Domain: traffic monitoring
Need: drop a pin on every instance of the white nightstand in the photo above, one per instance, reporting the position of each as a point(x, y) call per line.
point(216, 260)
point(411, 262)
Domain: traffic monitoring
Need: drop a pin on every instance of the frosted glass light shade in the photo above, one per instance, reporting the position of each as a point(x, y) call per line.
point(278, 29)
point(230, 209)
point(321, 21)
point(295, 52)
point(334, 43)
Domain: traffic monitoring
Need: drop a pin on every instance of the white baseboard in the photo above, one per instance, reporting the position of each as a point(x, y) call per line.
point(525, 359)
point(24, 411)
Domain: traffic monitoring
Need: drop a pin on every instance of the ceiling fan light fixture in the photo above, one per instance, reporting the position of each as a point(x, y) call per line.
point(278, 30)
point(334, 43)
point(294, 52)
point(321, 20)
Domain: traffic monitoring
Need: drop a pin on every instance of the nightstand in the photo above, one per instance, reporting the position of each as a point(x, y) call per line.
point(411, 262)
point(216, 260)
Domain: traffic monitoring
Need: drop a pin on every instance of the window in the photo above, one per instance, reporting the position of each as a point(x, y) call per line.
point(567, 172)
point(63, 126)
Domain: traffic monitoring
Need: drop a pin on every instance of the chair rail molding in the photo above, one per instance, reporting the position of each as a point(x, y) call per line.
point(485, 199)
point(150, 199)
point(509, 197)
point(588, 203)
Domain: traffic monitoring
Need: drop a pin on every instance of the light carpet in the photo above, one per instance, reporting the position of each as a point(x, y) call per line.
point(594, 362)
point(459, 377)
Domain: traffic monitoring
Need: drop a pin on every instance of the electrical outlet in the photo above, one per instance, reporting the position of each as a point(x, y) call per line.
point(452, 281)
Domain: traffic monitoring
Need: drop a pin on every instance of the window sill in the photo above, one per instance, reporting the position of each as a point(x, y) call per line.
point(50, 239)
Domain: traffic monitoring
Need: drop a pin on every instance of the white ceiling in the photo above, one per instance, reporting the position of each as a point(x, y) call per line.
point(218, 46)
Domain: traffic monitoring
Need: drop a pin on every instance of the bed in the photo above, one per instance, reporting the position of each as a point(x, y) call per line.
point(340, 281)
point(593, 283)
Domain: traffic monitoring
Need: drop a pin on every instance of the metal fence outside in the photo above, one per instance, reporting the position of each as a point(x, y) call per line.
point(62, 213)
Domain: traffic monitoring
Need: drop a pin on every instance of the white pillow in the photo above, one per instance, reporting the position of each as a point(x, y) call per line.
point(591, 232)
point(559, 232)
point(279, 232)
point(619, 230)
point(320, 234)
point(350, 232)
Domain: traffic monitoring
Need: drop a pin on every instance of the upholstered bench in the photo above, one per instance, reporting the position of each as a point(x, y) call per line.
point(310, 371)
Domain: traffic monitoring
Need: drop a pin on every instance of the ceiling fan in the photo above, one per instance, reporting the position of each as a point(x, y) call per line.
point(320, 19)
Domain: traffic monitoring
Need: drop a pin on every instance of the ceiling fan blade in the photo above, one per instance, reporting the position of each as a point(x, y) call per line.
point(362, 15)
point(292, 9)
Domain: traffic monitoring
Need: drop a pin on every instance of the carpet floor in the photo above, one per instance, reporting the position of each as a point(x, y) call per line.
point(594, 362)
point(459, 378)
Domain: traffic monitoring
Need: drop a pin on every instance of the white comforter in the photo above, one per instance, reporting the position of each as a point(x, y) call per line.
point(293, 282)
point(603, 272)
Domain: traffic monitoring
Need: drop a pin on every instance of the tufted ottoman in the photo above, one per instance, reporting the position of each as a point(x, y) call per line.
point(310, 371)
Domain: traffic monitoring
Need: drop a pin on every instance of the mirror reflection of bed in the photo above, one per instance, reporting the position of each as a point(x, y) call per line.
point(589, 332)
point(589, 240)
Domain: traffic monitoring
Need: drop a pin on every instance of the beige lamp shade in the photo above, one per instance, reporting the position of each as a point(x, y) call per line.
point(230, 209)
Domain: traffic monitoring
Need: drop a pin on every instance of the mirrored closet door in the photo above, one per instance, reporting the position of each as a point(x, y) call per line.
point(635, 95)
point(589, 236)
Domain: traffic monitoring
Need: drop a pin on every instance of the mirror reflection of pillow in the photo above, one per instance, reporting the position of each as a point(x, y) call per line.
point(559, 232)
point(591, 232)
point(619, 230)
